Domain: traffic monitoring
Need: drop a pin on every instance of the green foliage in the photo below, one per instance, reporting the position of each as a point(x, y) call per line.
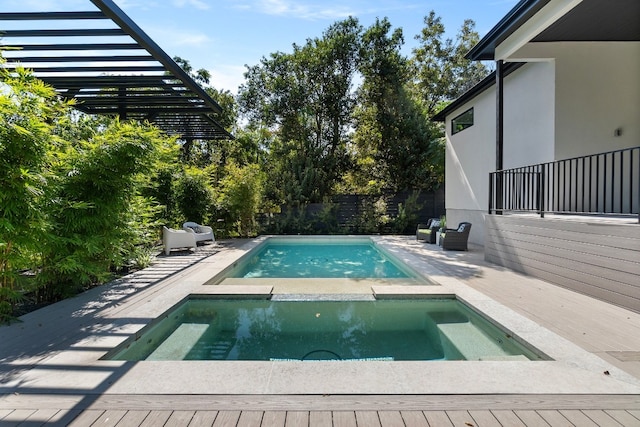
point(240, 197)
point(392, 135)
point(408, 214)
point(193, 195)
point(307, 98)
point(442, 72)
point(27, 109)
point(93, 208)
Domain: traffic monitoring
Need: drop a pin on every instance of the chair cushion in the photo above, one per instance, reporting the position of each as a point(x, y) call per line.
point(461, 228)
point(196, 229)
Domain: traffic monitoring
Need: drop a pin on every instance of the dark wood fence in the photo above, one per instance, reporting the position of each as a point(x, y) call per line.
point(352, 213)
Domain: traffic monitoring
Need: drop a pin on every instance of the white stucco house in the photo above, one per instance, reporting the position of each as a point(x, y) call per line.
point(560, 120)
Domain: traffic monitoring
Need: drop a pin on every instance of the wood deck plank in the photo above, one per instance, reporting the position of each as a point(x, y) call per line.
point(555, 418)
point(297, 419)
point(63, 417)
point(624, 418)
point(367, 419)
point(508, 418)
point(4, 413)
point(203, 419)
point(227, 419)
point(132, 418)
point(531, 418)
point(156, 418)
point(601, 418)
point(274, 418)
point(461, 418)
point(438, 419)
point(250, 418)
point(86, 418)
point(320, 419)
point(390, 419)
point(179, 418)
point(414, 419)
point(578, 418)
point(40, 416)
point(16, 417)
point(344, 419)
point(110, 418)
point(484, 418)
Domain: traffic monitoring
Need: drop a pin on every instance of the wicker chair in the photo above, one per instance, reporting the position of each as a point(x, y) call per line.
point(456, 238)
point(427, 231)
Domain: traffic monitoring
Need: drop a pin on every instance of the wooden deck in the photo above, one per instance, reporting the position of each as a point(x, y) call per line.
point(369, 411)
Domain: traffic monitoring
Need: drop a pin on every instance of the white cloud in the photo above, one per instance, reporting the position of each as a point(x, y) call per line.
point(323, 10)
point(183, 38)
point(228, 77)
point(198, 4)
point(298, 9)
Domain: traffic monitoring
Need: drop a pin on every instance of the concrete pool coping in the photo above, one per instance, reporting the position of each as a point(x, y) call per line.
point(74, 364)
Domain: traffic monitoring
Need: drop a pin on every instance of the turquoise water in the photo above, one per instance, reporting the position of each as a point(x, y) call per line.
point(211, 329)
point(320, 259)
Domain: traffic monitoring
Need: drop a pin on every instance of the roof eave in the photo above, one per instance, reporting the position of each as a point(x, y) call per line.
point(476, 90)
point(484, 50)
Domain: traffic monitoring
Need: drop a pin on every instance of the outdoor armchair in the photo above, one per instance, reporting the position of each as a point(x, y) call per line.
point(456, 238)
point(428, 231)
point(200, 232)
point(177, 239)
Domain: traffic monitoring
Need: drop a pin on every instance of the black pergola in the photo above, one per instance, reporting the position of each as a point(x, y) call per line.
point(114, 69)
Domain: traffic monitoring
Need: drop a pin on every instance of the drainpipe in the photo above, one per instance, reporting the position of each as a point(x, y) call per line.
point(499, 133)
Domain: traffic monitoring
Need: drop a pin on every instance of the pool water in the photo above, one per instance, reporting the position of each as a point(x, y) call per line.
point(294, 258)
point(424, 329)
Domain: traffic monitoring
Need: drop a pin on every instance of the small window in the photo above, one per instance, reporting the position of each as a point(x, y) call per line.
point(461, 122)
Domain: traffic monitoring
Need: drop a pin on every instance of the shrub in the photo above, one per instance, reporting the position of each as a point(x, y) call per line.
point(93, 208)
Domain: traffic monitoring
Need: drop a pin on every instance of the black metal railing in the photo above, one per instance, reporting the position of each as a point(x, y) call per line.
point(605, 183)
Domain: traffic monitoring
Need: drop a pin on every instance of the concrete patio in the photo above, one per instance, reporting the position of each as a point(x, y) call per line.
point(51, 372)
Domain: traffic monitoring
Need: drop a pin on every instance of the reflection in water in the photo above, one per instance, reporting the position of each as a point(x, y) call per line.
point(202, 329)
point(320, 260)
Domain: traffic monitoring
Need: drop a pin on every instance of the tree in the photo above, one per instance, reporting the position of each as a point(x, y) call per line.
point(306, 98)
point(93, 205)
point(442, 72)
point(391, 129)
point(205, 152)
point(241, 196)
point(28, 108)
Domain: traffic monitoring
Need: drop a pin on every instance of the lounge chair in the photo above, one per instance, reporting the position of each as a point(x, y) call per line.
point(428, 231)
point(201, 232)
point(456, 238)
point(177, 239)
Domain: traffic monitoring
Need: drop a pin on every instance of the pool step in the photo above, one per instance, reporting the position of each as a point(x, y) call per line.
point(179, 344)
point(472, 343)
point(188, 341)
point(218, 351)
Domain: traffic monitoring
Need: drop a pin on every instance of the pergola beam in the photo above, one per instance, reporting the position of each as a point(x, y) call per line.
point(137, 85)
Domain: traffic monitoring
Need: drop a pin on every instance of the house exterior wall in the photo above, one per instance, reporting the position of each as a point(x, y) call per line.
point(597, 92)
point(471, 153)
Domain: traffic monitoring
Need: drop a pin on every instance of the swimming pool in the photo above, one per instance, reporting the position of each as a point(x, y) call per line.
point(376, 330)
point(320, 257)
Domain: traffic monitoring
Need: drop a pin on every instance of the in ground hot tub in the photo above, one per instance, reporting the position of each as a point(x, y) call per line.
point(366, 330)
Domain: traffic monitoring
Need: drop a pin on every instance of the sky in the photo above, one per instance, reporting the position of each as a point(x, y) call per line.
point(223, 36)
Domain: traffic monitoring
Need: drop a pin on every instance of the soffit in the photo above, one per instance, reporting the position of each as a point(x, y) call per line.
point(597, 20)
point(590, 20)
point(108, 65)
